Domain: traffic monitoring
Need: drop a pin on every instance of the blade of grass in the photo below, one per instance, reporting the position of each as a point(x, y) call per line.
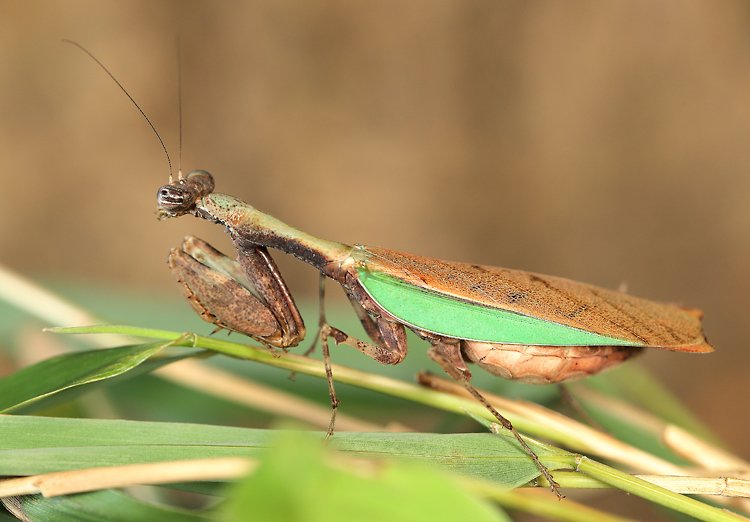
point(64, 372)
point(101, 506)
point(34, 445)
point(115, 437)
point(329, 488)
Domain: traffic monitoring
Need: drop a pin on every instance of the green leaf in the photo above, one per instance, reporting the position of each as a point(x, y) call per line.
point(101, 506)
point(64, 372)
point(297, 481)
point(32, 445)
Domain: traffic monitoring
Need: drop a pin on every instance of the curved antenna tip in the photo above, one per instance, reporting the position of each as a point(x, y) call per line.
point(123, 89)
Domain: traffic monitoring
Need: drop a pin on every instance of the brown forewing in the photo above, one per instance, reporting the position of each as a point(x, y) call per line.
point(556, 299)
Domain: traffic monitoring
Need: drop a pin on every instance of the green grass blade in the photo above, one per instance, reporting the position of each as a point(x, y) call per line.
point(39, 444)
point(32, 445)
point(325, 490)
point(101, 506)
point(68, 371)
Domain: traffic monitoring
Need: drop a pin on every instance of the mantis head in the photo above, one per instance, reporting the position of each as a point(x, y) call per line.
point(179, 197)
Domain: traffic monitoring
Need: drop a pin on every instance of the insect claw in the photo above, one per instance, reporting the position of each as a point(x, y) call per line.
point(332, 422)
point(216, 330)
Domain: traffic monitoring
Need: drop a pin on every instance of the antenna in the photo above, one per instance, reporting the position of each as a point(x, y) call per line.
point(161, 141)
point(179, 104)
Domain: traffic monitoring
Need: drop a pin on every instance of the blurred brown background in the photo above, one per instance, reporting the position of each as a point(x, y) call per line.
point(602, 141)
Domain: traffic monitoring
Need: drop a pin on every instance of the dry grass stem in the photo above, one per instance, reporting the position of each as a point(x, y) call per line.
point(702, 453)
point(724, 487)
point(92, 479)
point(587, 438)
point(219, 383)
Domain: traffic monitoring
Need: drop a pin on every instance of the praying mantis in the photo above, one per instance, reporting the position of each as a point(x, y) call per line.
point(514, 324)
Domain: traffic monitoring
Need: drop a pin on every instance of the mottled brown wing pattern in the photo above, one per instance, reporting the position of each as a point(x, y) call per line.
point(556, 299)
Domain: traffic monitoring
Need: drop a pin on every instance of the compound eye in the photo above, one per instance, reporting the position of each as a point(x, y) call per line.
point(174, 199)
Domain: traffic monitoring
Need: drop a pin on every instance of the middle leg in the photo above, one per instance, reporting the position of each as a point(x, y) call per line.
point(389, 338)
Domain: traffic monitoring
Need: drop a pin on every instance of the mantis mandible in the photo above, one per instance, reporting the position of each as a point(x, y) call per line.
point(514, 324)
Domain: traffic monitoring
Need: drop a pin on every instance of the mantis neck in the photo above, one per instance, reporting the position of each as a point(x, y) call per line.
point(250, 227)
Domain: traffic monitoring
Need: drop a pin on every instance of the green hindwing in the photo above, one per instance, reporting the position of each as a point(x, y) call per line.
point(451, 317)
